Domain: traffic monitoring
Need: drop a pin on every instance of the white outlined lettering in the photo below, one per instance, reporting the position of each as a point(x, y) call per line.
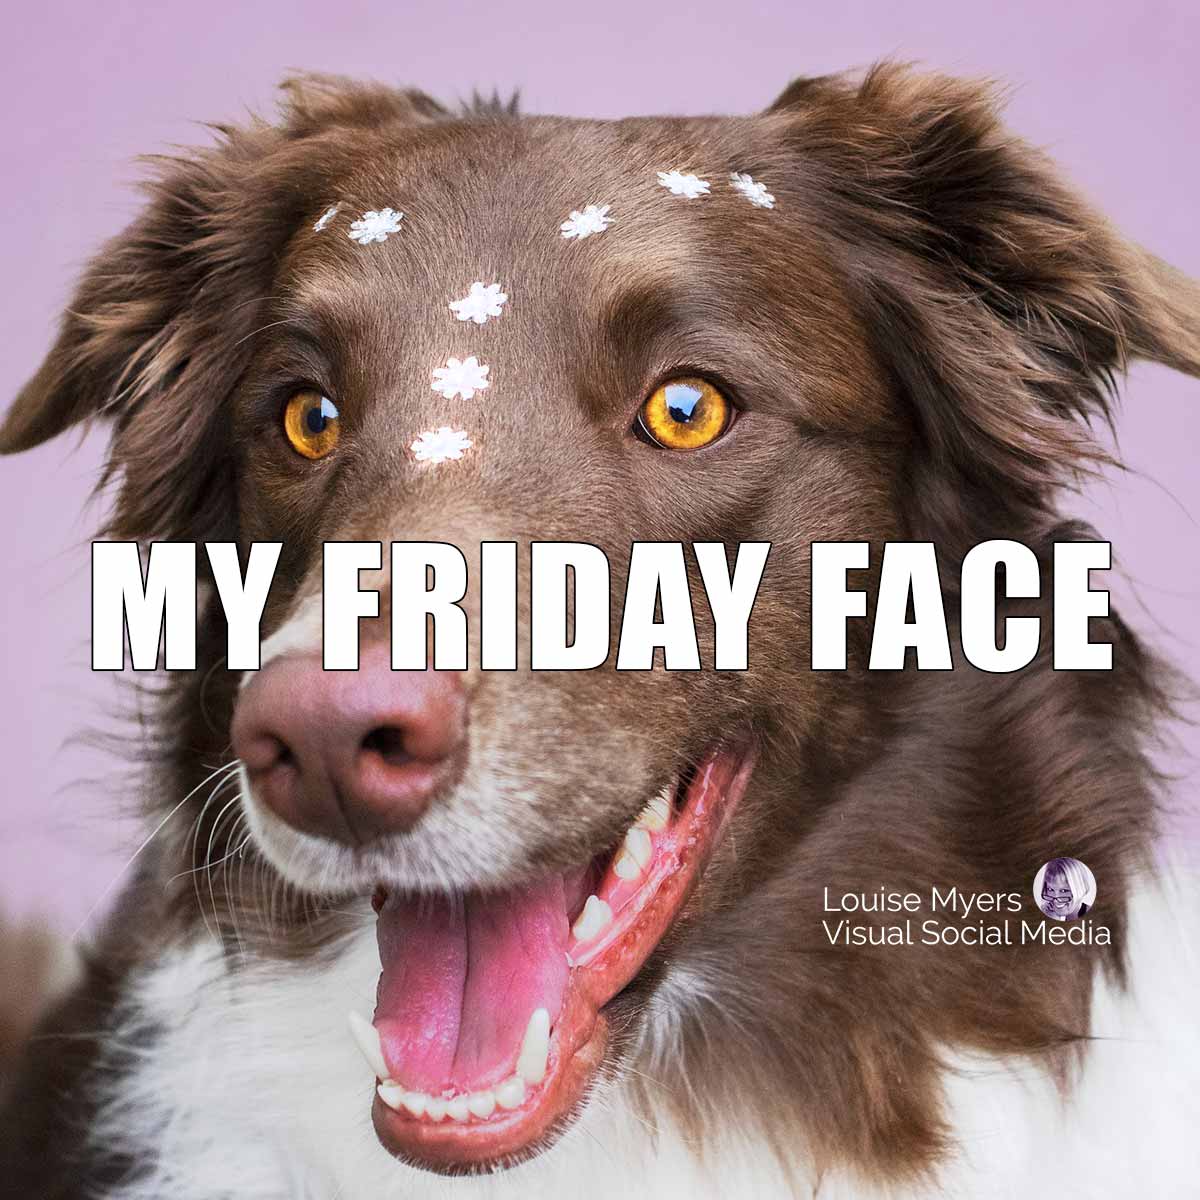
point(243, 600)
point(343, 602)
point(1075, 603)
point(414, 603)
point(159, 609)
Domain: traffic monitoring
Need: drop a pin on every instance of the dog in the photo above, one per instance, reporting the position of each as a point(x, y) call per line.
point(512, 933)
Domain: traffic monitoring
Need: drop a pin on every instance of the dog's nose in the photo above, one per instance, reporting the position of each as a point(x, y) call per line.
point(349, 755)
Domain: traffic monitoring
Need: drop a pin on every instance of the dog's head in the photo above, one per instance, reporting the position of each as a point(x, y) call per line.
point(865, 314)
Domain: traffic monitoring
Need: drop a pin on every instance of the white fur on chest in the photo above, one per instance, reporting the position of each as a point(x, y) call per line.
point(254, 1092)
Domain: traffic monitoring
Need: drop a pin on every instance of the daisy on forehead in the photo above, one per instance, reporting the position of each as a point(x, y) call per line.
point(374, 226)
point(754, 191)
point(483, 301)
point(593, 218)
point(461, 377)
point(690, 187)
point(440, 445)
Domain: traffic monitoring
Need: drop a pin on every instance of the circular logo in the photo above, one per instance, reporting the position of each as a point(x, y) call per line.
point(1065, 889)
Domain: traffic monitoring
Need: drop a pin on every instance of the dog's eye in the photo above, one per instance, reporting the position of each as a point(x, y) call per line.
point(311, 424)
point(685, 414)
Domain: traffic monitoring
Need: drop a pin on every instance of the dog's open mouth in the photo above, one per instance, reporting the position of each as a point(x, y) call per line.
point(490, 1023)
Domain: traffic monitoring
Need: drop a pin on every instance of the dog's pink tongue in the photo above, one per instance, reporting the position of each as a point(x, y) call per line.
point(461, 980)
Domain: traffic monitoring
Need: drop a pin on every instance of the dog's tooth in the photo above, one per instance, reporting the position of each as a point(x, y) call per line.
point(458, 1109)
point(535, 1048)
point(481, 1104)
point(366, 1037)
point(415, 1102)
point(435, 1108)
point(625, 866)
point(635, 854)
point(511, 1093)
point(639, 847)
point(392, 1094)
point(656, 814)
point(592, 921)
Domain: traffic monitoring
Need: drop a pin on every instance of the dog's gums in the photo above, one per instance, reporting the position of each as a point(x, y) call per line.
point(490, 1020)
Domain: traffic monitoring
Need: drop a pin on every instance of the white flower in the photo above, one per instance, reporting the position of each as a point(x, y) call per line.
point(325, 218)
point(679, 184)
point(375, 226)
point(463, 378)
point(593, 219)
point(756, 193)
point(437, 445)
point(481, 302)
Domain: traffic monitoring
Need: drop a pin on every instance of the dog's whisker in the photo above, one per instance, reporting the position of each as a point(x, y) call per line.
point(263, 329)
point(648, 1078)
point(199, 821)
point(249, 895)
point(229, 807)
point(231, 903)
point(213, 796)
point(142, 847)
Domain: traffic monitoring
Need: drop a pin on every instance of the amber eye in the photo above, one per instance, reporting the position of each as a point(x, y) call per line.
point(685, 414)
point(311, 424)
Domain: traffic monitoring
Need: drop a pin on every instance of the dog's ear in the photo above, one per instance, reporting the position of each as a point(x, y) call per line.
point(1001, 302)
point(159, 330)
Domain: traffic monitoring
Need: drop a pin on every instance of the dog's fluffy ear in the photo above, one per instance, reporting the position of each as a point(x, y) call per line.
point(159, 330)
point(1000, 300)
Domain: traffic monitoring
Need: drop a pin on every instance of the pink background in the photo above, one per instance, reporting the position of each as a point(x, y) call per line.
point(1110, 88)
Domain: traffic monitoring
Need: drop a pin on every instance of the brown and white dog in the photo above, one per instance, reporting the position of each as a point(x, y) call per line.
point(897, 324)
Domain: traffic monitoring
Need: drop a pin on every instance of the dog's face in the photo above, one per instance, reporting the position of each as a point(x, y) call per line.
point(895, 347)
point(735, 305)
point(675, 289)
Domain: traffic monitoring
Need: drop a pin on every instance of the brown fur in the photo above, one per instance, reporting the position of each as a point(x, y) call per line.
point(39, 968)
point(920, 335)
